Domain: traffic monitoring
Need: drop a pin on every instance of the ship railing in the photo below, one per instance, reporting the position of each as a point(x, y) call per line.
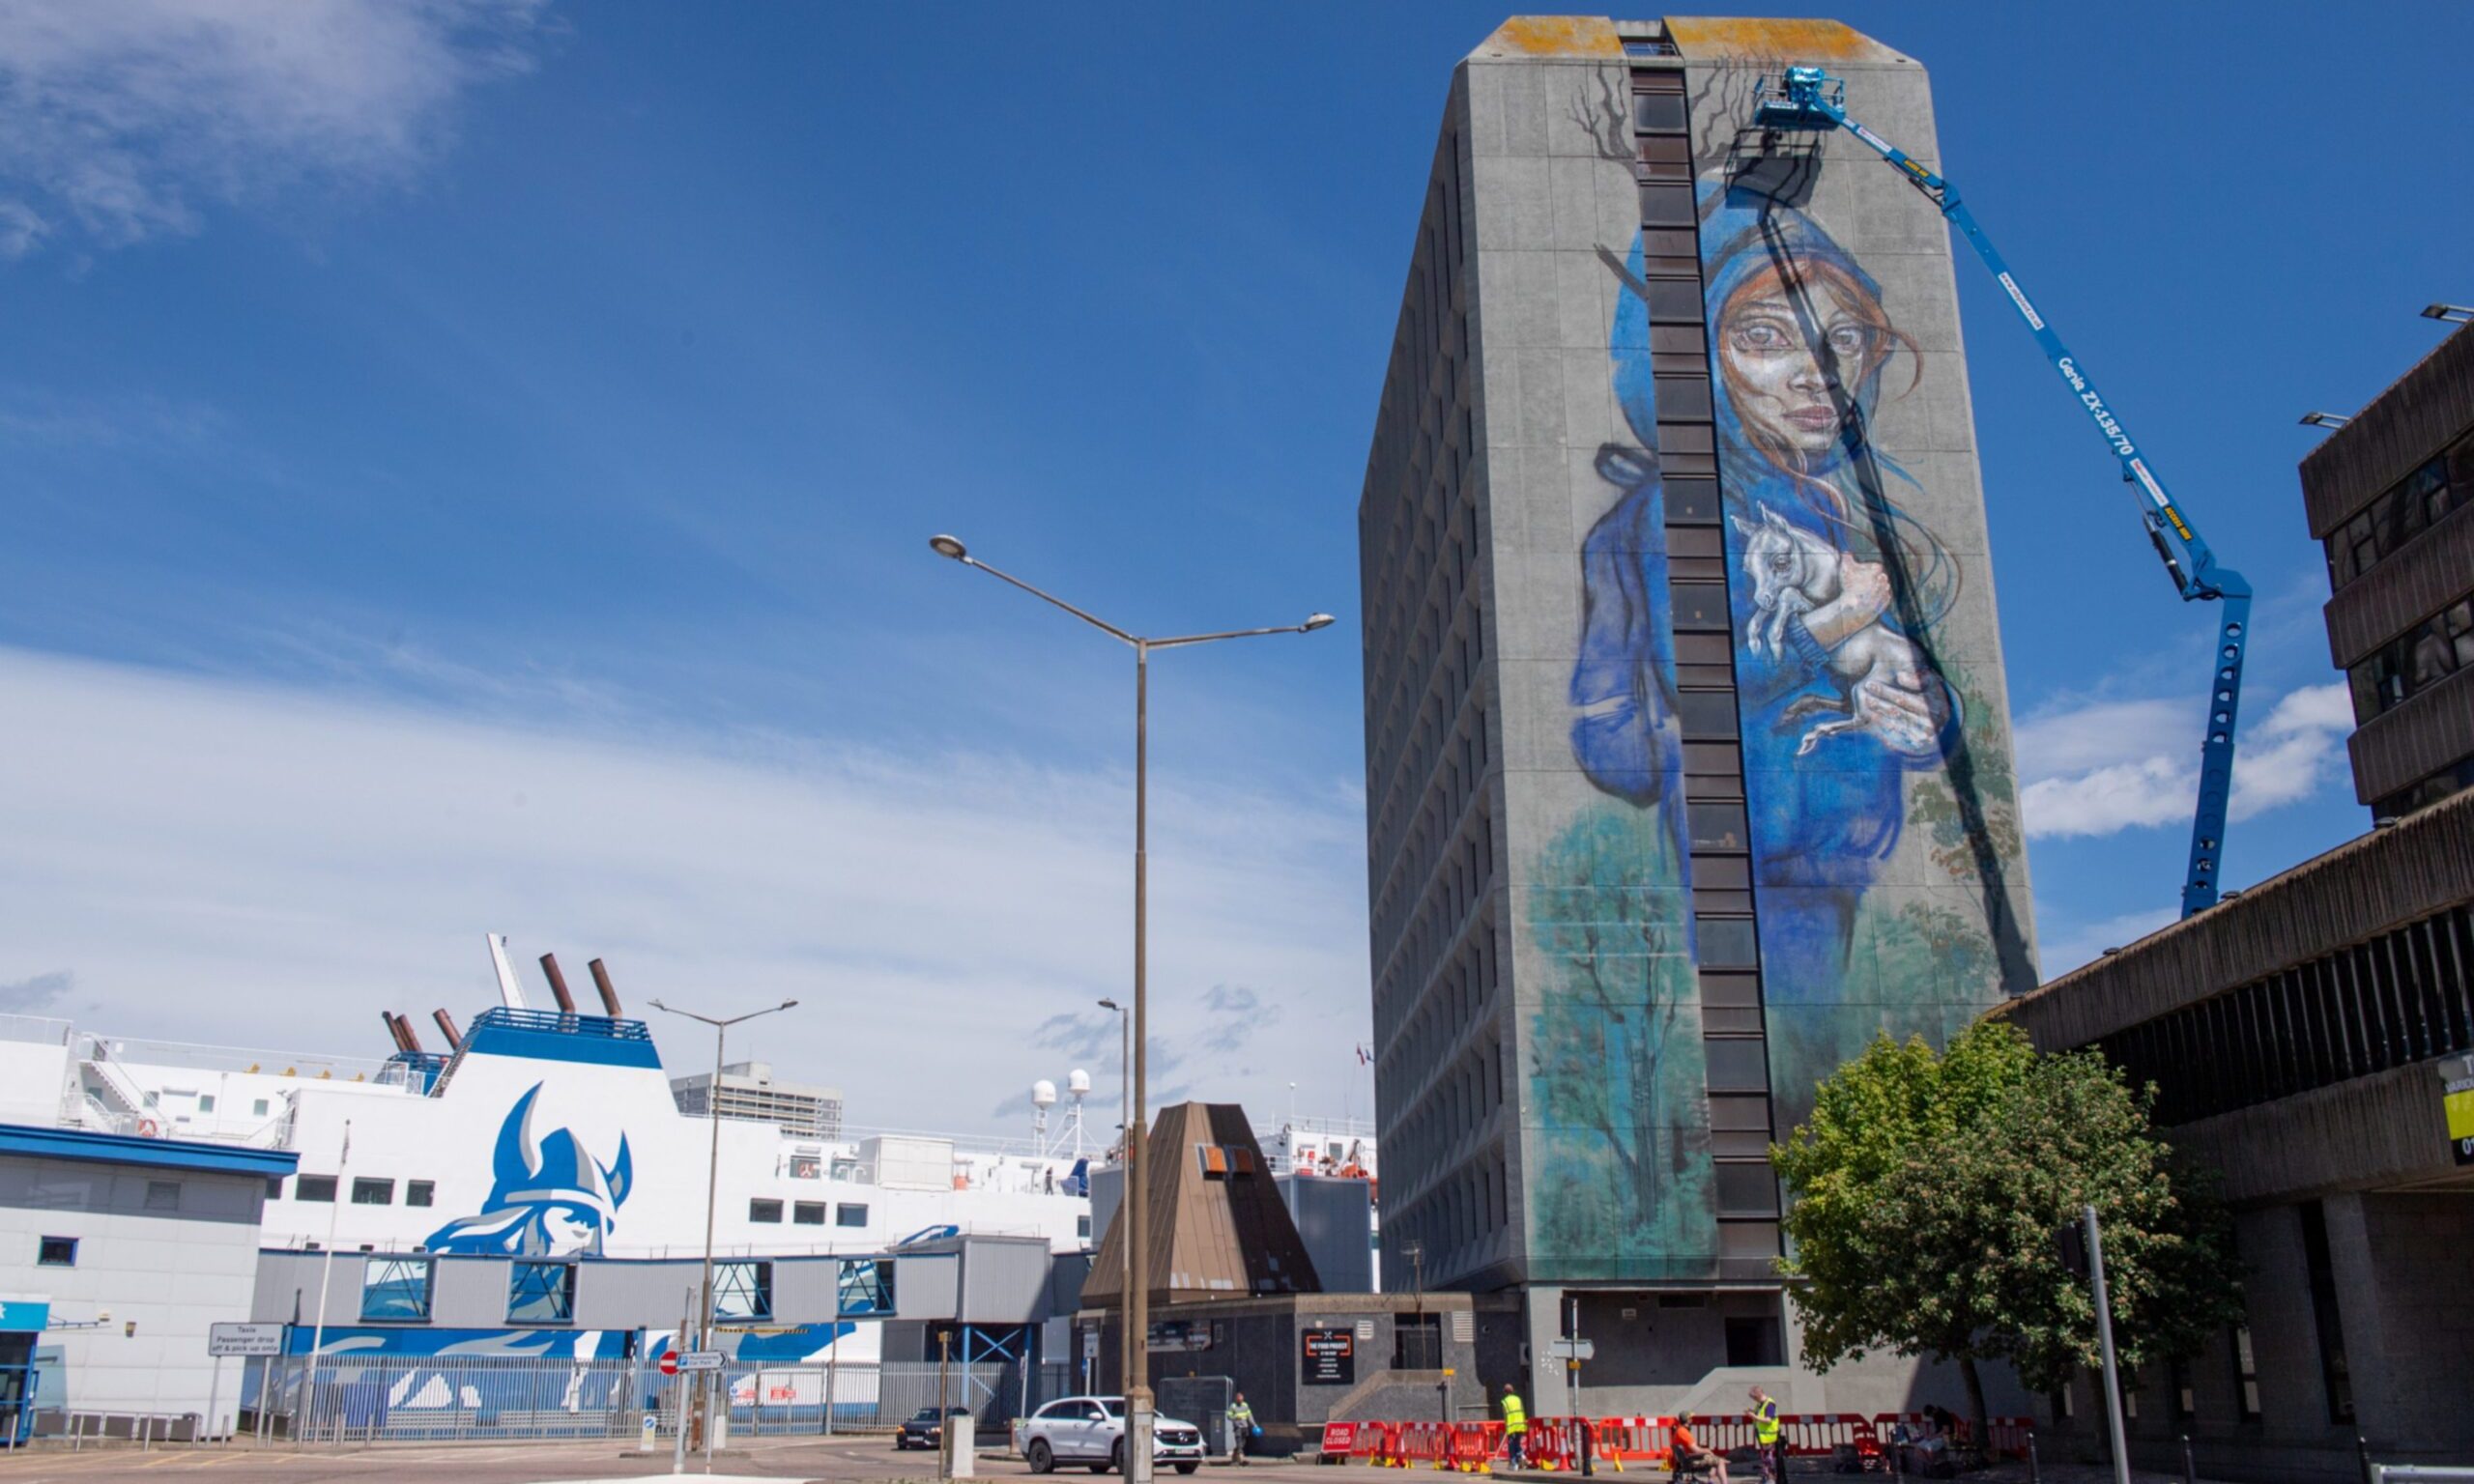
point(560, 1021)
point(300, 1065)
point(39, 1030)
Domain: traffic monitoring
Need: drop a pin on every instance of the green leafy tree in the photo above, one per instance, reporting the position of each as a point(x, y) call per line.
point(1930, 1190)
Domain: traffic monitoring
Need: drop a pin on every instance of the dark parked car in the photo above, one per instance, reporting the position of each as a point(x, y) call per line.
point(924, 1427)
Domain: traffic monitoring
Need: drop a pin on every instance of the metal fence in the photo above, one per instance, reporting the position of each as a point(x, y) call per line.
point(347, 1399)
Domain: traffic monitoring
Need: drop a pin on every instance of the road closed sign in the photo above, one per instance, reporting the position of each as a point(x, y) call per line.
point(1328, 1359)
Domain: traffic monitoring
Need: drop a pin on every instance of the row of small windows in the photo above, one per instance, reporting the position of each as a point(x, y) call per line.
point(2401, 997)
point(1438, 667)
point(2414, 660)
point(806, 1212)
point(366, 1190)
point(402, 1289)
point(397, 1289)
point(1717, 842)
point(2396, 517)
point(2426, 790)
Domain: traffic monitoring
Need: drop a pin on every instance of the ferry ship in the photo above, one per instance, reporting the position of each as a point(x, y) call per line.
point(546, 1137)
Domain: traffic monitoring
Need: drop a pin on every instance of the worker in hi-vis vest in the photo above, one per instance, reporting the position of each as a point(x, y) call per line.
point(1764, 1412)
point(1241, 1428)
point(1515, 1425)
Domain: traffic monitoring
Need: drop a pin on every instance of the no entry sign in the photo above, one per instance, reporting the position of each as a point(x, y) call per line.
point(670, 1362)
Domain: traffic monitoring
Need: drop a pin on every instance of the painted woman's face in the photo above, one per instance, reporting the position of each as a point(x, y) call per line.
point(1779, 384)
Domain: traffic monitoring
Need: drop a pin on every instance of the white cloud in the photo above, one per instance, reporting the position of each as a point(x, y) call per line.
point(2059, 952)
point(117, 118)
point(2115, 765)
point(249, 866)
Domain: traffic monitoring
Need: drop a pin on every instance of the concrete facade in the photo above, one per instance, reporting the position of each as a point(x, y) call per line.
point(2300, 1031)
point(2299, 1034)
point(2391, 494)
point(1256, 1345)
point(1630, 897)
point(161, 1242)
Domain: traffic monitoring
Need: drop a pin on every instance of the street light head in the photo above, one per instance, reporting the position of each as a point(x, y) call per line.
point(2454, 314)
point(2325, 420)
point(1316, 622)
point(788, 1005)
point(946, 546)
point(657, 1004)
point(1111, 1005)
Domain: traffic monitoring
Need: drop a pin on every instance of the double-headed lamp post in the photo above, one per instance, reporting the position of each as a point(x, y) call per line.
point(713, 1176)
point(1136, 1294)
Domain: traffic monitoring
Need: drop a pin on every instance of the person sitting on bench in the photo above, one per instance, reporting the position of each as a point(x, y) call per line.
point(1689, 1454)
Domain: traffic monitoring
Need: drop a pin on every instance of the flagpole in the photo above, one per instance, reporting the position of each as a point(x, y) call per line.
point(327, 1273)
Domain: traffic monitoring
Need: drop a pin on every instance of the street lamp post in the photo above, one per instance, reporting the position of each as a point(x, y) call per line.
point(1137, 1296)
point(1125, 1135)
point(712, 1195)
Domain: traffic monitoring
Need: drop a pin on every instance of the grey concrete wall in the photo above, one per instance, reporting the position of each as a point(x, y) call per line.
point(2356, 891)
point(161, 1274)
point(2391, 435)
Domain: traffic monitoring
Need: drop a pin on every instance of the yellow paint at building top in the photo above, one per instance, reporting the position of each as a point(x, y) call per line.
point(1554, 36)
point(1720, 38)
point(1699, 38)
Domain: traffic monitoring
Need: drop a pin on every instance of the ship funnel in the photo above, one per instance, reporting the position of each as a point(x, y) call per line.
point(558, 984)
point(601, 981)
point(447, 1028)
point(394, 1029)
point(404, 1034)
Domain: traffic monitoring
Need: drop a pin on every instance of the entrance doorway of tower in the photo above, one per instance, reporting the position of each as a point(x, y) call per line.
point(21, 1325)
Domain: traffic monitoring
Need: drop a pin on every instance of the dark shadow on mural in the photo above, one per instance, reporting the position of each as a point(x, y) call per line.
point(1842, 690)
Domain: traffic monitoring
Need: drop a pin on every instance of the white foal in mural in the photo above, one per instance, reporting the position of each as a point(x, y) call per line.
point(1884, 686)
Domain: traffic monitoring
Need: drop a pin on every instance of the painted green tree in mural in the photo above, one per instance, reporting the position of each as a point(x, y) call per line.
point(1616, 1044)
point(1930, 1192)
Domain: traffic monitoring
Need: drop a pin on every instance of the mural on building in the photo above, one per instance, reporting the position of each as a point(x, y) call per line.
point(1616, 1074)
point(548, 1197)
point(1879, 818)
point(1856, 728)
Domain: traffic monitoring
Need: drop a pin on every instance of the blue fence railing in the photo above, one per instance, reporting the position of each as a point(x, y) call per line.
point(559, 1022)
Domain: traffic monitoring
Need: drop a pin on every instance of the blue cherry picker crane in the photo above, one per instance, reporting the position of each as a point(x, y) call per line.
point(1808, 100)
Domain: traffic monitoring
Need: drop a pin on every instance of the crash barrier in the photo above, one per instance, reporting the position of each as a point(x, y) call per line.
point(1551, 1444)
point(1475, 1444)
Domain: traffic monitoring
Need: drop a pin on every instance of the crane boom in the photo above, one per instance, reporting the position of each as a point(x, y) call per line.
point(1806, 98)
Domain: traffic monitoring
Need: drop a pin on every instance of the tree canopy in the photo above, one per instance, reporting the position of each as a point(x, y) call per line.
point(1930, 1192)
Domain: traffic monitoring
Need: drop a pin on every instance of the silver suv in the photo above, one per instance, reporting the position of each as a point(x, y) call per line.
point(1090, 1430)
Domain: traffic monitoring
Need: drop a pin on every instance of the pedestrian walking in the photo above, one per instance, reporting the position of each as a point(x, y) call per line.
point(1240, 1427)
point(1515, 1425)
point(1767, 1436)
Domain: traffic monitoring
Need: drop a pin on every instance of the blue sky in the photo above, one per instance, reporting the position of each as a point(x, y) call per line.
point(467, 466)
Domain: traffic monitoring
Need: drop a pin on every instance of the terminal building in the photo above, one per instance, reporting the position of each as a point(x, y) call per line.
point(1688, 752)
point(2303, 1034)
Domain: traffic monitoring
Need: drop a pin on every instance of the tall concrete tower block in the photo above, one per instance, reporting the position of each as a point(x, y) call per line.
point(1688, 757)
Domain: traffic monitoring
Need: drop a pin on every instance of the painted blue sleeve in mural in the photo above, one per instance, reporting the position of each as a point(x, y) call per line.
point(548, 1195)
point(1624, 733)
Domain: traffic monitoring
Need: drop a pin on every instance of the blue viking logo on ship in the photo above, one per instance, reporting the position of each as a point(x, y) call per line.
point(548, 1197)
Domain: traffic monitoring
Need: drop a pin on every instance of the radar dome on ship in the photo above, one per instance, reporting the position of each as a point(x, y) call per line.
point(1043, 1094)
point(1078, 1081)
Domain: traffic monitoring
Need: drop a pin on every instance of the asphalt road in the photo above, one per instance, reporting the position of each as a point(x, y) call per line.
point(838, 1461)
point(830, 1461)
